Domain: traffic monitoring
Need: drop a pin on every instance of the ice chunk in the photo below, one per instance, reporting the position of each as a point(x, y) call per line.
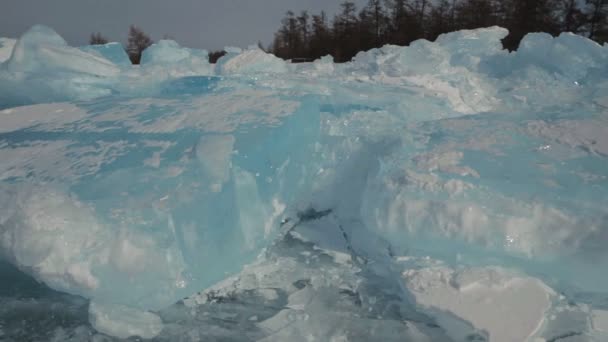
point(567, 54)
point(97, 227)
point(170, 52)
point(42, 50)
point(123, 322)
point(510, 191)
point(321, 67)
point(114, 52)
point(6, 48)
point(250, 61)
point(465, 48)
point(168, 56)
point(42, 68)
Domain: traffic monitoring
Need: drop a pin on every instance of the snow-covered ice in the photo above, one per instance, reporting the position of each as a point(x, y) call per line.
point(444, 191)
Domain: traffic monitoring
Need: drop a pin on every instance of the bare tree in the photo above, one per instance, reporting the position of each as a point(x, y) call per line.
point(405, 25)
point(572, 17)
point(97, 39)
point(376, 14)
point(321, 37)
point(598, 19)
point(138, 42)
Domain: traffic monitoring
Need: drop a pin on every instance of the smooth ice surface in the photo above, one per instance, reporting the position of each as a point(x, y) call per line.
point(449, 170)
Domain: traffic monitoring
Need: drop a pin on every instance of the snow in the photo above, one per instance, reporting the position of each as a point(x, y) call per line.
point(450, 185)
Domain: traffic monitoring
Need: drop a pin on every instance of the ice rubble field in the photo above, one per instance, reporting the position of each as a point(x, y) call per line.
point(446, 191)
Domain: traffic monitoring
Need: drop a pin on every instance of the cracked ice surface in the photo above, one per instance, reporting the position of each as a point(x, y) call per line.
point(426, 193)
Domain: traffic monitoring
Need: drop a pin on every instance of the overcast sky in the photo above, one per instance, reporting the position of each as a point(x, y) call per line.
point(210, 24)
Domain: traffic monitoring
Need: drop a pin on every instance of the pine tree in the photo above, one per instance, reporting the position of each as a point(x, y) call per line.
point(405, 26)
point(377, 18)
point(345, 32)
point(440, 19)
point(321, 38)
point(303, 28)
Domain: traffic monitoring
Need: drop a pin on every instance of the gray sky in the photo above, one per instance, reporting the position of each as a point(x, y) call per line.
point(210, 24)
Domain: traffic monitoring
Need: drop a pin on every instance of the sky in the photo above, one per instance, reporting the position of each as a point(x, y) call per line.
point(209, 24)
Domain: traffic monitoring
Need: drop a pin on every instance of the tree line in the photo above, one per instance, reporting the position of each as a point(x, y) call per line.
point(305, 37)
